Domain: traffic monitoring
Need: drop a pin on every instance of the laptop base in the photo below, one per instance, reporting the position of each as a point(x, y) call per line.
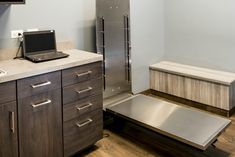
point(46, 57)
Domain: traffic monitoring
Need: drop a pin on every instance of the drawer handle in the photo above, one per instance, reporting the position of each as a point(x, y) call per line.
point(84, 107)
point(41, 84)
point(84, 90)
point(12, 122)
point(42, 104)
point(85, 73)
point(88, 121)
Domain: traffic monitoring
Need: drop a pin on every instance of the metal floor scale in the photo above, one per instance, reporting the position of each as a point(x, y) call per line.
point(187, 125)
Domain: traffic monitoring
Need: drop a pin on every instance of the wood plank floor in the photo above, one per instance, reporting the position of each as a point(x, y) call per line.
point(137, 144)
point(116, 146)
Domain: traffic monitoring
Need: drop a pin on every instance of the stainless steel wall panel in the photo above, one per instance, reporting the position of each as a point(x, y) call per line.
point(113, 44)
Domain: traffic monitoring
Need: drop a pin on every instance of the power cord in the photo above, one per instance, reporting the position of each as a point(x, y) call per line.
point(19, 49)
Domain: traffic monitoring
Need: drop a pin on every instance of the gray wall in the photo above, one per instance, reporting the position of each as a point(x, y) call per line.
point(201, 32)
point(72, 19)
point(147, 39)
point(196, 32)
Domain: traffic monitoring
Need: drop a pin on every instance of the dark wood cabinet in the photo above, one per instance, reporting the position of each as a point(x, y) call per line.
point(82, 132)
point(58, 113)
point(82, 90)
point(7, 92)
point(82, 107)
point(40, 116)
point(38, 84)
point(8, 120)
point(81, 73)
point(8, 130)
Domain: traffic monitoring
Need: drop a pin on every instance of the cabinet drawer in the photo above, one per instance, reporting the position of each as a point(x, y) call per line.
point(7, 92)
point(78, 108)
point(82, 90)
point(41, 101)
point(81, 73)
point(82, 132)
point(38, 84)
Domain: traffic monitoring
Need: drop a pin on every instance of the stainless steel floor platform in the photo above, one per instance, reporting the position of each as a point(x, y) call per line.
point(190, 126)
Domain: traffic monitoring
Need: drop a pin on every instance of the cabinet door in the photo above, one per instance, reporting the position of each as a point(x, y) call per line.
point(40, 125)
point(8, 130)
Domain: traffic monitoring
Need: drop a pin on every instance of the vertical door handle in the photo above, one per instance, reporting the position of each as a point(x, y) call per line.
point(103, 50)
point(12, 122)
point(127, 47)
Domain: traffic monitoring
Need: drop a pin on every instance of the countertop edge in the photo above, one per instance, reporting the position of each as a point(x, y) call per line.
point(30, 73)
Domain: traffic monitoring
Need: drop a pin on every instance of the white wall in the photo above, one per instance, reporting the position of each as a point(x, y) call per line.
point(72, 19)
point(147, 39)
point(201, 32)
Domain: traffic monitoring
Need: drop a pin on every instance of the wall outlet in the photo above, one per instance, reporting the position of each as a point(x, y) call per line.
point(17, 33)
point(32, 30)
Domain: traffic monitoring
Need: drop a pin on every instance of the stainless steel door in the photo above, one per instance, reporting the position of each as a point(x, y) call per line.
point(113, 41)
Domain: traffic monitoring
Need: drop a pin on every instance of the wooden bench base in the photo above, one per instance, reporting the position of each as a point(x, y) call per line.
point(192, 103)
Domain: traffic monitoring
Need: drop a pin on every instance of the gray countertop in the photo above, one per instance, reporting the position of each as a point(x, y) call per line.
point(18, 69)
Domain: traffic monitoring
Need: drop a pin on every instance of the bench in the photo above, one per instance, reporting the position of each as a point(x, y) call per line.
point(206, 86)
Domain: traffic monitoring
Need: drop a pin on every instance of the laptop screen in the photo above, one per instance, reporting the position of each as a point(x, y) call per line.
point(39, 41)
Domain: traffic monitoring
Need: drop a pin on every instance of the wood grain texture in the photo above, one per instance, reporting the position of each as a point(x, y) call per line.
point(40, 128)
point(70, 77)
point(24, 88)
point(77, 138)
point(210, 75)
point(70, 110)
point(116, 145)
point(70, 93)
point(213, 94)
point(8, 139)
point(7, 92)
point(201, 106)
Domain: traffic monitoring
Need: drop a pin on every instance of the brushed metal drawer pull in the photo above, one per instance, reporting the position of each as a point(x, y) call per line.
point(85, 90)
point(12, 122)
point(42, 104)
point(41, 84)
point(85, 73)
point(84, 107)
point(88, 121)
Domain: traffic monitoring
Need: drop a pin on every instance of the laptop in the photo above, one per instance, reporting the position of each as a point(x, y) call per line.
point(40, 46)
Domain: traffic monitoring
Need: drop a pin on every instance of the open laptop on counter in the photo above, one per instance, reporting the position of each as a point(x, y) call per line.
point(40, 46)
